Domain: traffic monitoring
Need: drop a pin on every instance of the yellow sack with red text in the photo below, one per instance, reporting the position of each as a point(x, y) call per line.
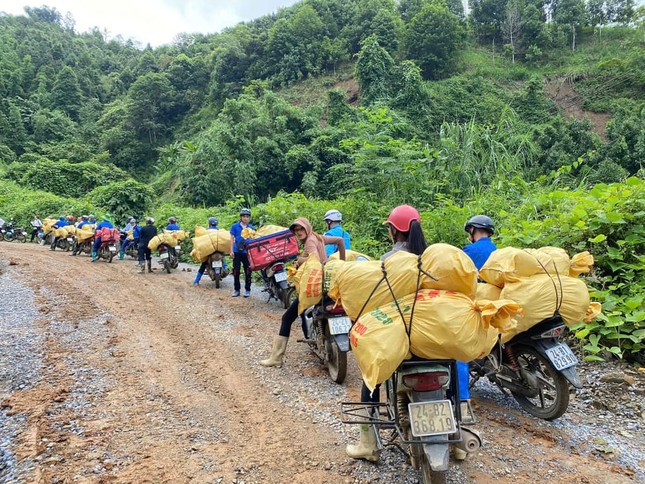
point(542, 295)
point(450, 269)
point(360, 284)
point(308, 282)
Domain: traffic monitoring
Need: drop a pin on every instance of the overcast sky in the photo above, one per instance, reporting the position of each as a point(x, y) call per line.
point(153, 21)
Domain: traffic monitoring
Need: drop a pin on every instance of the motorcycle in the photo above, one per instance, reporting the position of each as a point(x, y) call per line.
point(327, 333)
point(536, 367)
point(215, 268)
point(276, 284)
point(107, 251)
point(169, 256)
point(11, 233)
point(424, 415)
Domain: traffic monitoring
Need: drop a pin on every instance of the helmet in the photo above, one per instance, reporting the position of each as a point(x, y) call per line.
point(172, 220)
point(333, 215)
point(150, 220)
point(213, 221)
point(133, 220)
point(245, 211)
point(480, 222)
point(61, 218)
point(70, 218)
point(83, 217)
point(401, 217)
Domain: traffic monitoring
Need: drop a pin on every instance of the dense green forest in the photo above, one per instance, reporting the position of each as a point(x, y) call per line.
point(531, 111)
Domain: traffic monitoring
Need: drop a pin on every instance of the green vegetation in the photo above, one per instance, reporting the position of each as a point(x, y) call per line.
point(359, 105)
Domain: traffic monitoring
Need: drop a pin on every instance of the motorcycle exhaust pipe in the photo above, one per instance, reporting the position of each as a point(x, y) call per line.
point(470, 440)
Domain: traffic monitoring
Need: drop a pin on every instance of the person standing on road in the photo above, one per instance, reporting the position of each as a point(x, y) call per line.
point(36, 225)
point(313, 243)
point(333, 219)
point(145, 236)
point(239, 254)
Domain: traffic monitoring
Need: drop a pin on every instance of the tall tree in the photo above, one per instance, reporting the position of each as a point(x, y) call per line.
point(66, 94)
point(571, 14)
point(373, 70)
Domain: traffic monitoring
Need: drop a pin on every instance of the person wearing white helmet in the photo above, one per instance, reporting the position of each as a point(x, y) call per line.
point(333, 219)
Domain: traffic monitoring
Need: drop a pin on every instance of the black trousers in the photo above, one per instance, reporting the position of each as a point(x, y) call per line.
point(238, 261)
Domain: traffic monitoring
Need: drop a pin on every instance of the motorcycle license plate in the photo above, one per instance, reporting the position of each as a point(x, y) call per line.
point(163, 255)
point(217, 264)
point(280, 276)
point(340, 325)
point(112, 248)
point(561, 356)
point(177, 247)
point(431, 418)
point(70, 240)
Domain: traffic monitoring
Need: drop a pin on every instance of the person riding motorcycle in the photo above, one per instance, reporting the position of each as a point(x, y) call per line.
point(145, 254)
point(404, 229)
point(36, 225)
point(60, 223)
point(333, 219)
point(106, 223)
point(313, 243)
point(212, 225)
point(83, 222)
point(132, 223)
point(239, 254)
point(172, 224)
point(480, 228)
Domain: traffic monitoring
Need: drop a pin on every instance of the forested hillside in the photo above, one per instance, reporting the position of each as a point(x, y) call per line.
point(517, 109)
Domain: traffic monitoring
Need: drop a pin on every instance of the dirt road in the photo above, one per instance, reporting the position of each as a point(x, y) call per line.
point(146, 378)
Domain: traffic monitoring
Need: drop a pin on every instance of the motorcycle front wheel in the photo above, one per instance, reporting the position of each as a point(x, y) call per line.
point(21, 238)
point(336, 361)
point(552, 397)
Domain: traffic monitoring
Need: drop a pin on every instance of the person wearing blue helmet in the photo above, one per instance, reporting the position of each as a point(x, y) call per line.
point(212, 225)
point(172, 224)
point(60, 223)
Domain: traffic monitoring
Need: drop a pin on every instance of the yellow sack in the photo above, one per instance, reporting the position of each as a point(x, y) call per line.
point(155, 242)
point(60, 232)
point(594, 309)
point(449, 325)
point(560, 258)
point(248, 233)
point(47, 225)
point(308, 281)
point(510, 265)
point(331, 269)
point(212, 241)
point(452, 269)
point(177, 235)
point(379, 344)
point(82, 235)
point(540, 296)
point(199, 231)
point(581, 263)
point(488, 291)
point(130, 234)
point(267, 230)
point(361, 283)
point(350, 255)
point(70, 229)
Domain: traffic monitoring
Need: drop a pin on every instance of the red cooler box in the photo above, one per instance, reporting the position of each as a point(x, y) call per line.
point(266, 250)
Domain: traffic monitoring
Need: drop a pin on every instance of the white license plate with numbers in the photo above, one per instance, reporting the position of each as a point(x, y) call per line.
point(217, 264)
point(561, 356)
point(280, 276)
point(112, 248)
point(340, 325)
point(431, 418)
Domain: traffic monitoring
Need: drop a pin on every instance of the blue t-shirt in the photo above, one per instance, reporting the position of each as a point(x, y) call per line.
point(236, 231)
point(104, 224)
point(82, 224)
point(172, 227)
point(337, 231)
point(480, 251)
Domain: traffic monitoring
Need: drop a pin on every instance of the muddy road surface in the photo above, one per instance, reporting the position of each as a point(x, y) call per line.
point(107, 375)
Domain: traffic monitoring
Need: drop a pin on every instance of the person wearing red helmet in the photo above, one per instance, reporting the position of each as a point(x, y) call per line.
point(404, 228)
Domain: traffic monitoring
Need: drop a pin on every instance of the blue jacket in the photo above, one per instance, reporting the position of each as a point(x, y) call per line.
point(82, 224)
point(480, 251)
point(60, 224)
point(172, 227)
point(236, 231)
point(136, 232)
point(337, 231)
point(104, 224)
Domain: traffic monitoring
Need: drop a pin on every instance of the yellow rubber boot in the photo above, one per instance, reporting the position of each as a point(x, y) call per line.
point(367, 448)
point(277, 352)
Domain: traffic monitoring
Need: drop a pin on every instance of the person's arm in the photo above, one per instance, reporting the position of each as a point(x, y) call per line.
point(338, 242)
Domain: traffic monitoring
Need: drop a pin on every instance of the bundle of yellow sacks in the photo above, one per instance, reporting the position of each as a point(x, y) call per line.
point(168, 237)
point(542, 281)
point(207, 242)
point(86, 232)
point(407, 305)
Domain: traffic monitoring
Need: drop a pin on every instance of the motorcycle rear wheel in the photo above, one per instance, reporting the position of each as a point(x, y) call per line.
point(336, 362)
point(288, 295)
point(218, 280)
point(21, 238)
point(553, 395)
point(430, 476)
point(166, 266)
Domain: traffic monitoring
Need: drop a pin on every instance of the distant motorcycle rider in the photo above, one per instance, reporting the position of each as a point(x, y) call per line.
point(132, 224)
point(36, 225)
point(145, 236)
point(333, 219)
point(60, 223)
point(106, 223)
point(212, 225)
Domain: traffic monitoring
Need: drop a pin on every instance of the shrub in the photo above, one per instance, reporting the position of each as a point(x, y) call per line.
point(122, 199)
